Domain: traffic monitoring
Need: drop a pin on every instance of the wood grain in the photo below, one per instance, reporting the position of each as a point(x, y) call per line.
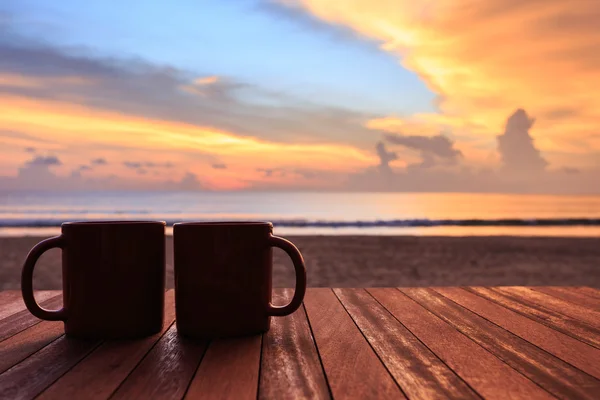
point(589, 291)
point(536, 298)
point(576, 353)
point(488, 375)
point(30, 377)
point(166, 371)
point(555, 320)
point(229, 370)
point(570, 295)
point(290, 366)
point(418, 371)
point(352, 367)
point(100, 373)
point(20, 346)
point(23, 319)
point(12, 302)
point(549, 372)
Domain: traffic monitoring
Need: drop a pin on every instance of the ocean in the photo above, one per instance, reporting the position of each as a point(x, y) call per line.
point(444, 214)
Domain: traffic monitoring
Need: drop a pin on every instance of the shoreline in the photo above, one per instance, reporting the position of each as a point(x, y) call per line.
point(429, 231)
point(369, 261)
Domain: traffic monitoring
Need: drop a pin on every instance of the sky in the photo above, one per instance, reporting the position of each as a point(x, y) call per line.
point(354, 95)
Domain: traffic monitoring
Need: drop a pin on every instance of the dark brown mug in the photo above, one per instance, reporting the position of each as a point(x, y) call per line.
point(223, 278)
point(113, 278)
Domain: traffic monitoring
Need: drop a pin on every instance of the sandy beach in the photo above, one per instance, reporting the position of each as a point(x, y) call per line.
point(355, 261)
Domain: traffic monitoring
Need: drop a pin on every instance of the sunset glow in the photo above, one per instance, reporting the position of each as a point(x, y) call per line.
point(431, 90)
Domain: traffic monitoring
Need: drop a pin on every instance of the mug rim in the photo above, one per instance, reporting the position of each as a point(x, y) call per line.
point(113, 222)
point(223, 223)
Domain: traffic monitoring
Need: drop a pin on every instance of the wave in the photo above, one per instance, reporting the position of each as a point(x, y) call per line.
point(396, 223)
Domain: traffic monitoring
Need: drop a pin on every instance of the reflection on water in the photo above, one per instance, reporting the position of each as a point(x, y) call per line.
point(27, 212)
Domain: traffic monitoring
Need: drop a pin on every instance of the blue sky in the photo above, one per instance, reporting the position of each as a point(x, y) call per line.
point(250, 40)
point(377, 95)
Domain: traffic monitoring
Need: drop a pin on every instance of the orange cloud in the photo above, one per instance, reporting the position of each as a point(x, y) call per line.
point(30, 82)
point(486, 58)
point(73, 125)
point(208, 80)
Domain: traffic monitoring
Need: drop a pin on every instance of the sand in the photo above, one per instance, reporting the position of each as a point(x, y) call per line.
point(363, 261)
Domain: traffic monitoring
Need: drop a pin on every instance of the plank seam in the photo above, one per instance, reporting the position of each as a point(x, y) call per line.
point(312, 337)
point(90, 351)
point(531, 317)
point(531, 303)
point(536, 289)
point(514, 334)
point(208, 343)
point(370, 345)
point(24, 329)
point(140, 361)
point(40, 349)
point(587, 294)
point(427, 347)
point(260, 358)
point(494, 355)
point(25, 309)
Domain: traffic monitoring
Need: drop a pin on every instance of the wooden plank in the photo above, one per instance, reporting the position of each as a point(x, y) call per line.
point(166, 371)
point(485, 373)
point(30, 377)
point(100, 373)
point(418, 371)
point(11, 301)
point(589, 291)
point(352, 368)
point(22, 345)
point(570, 295)
point(290, 366)
point(549, 372)
point(24, 319)
point(229, 370)
point(568, 349)
point(538, 299)
point(555, 320)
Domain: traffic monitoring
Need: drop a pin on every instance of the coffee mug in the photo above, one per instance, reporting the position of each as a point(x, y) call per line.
point(223, 278)
point(113, 278)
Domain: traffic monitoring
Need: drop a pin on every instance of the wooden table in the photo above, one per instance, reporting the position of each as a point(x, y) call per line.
point(500, 342)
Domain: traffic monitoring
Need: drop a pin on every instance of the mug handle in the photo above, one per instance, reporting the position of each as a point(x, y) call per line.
point(294, 253)
point(27, 280)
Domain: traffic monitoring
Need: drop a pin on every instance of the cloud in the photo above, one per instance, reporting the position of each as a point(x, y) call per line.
point(37, 175)
point(270, 172)
point(142, 165)
point(208, 80)
point(136, 106)
point(432, 148)
point(522, 168)
point(132, 164)
point(385, 156)
point(479, 56)
point(288, 12)
point(219, 166)
point(307, 173)
point(99, 161)
point(44, 161)
point(570, 170)
point(158, 165)
point(190, 182)
point(76, 173)
point(137, 88)
point(516, 147)
point(30, 150)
